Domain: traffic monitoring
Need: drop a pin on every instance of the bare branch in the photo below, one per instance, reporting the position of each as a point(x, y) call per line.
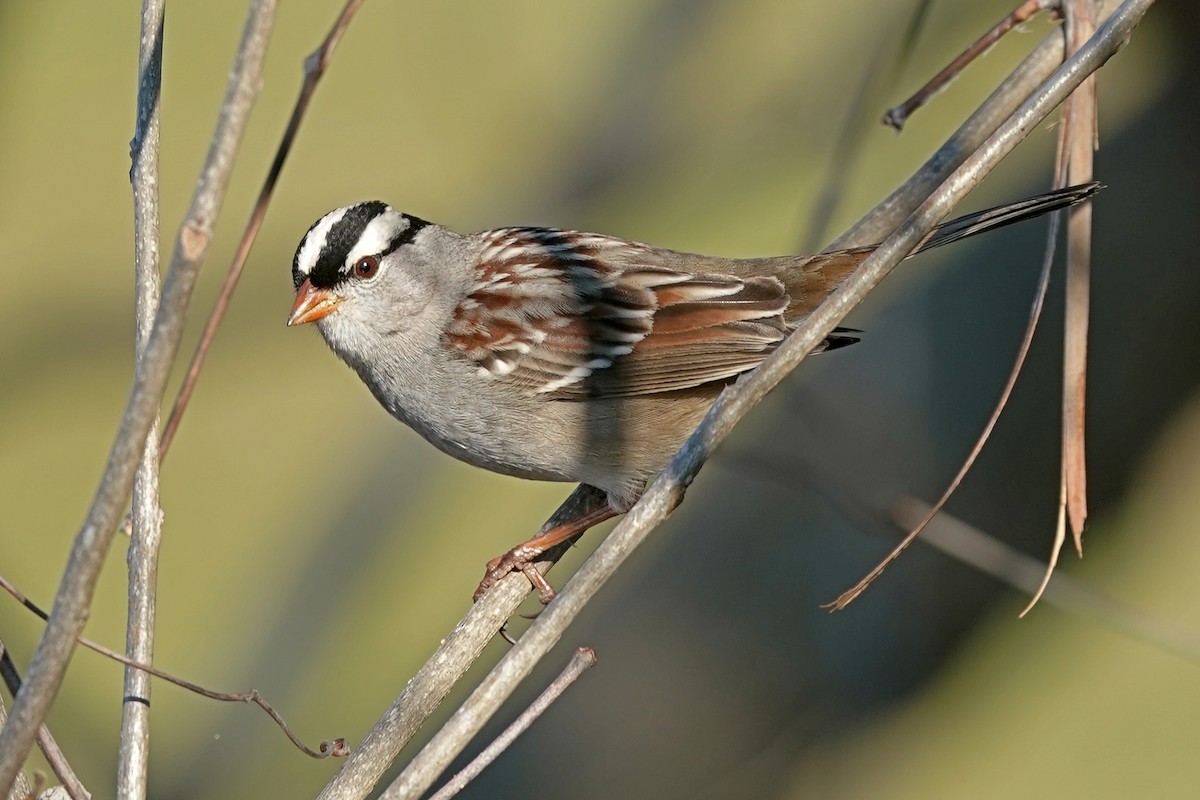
point(584, 658)
point(668, 489)
point(142, 557)
point(73, 601)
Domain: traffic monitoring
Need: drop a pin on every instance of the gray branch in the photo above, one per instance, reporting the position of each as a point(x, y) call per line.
point(584, 659)
point(134, 753)
point(73, 601)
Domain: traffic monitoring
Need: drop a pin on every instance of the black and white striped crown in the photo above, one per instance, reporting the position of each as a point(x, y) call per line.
point(343, 236)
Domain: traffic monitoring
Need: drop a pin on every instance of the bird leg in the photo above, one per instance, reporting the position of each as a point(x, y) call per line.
point(521, 558)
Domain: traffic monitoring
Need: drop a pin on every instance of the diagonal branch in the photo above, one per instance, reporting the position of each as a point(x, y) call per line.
point(896, 116)
point(584, 658)
point(73, 601)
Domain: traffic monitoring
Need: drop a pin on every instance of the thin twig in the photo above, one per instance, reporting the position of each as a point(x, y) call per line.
point(314, 69)
point(133, 755)
point(328, 747)
point(896, 116)
point(970, 546)
point(73, 601)
point(583, 659)
point(45, 741)
point(1061, 180)
point(1035, 315)
point(964, 543)
point(667, 491)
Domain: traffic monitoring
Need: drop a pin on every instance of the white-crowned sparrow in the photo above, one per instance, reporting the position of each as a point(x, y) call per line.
point(560, 355)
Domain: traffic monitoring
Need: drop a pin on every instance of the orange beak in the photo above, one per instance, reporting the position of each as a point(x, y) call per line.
point(312, 304)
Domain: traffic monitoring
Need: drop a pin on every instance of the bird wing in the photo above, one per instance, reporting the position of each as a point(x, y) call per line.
point(574, 315)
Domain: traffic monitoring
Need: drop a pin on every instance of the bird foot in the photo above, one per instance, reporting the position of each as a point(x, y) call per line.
point(519, 559)
point(522, 557)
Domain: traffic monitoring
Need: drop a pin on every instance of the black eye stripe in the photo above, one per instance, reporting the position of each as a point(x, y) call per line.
point(415, 224)
point(341, 238)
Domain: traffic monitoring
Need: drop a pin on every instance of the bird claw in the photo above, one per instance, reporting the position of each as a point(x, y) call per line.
point(521, 558)
point(515, 560)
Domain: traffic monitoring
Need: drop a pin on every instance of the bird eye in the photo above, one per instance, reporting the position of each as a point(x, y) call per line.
point(366, 267)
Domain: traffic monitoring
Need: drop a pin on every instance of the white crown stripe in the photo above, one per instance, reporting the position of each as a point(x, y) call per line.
point(314, 241)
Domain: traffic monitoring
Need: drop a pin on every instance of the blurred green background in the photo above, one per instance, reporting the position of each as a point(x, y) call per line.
point(324, 575)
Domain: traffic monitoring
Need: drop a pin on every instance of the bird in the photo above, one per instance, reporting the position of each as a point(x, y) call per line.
point(562, 355)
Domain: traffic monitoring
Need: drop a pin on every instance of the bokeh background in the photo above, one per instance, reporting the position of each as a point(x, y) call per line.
point(318, 551)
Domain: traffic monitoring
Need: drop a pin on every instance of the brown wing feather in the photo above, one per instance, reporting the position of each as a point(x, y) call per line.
point(551, 311)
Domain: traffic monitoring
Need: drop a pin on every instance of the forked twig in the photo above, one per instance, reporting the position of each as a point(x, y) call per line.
point(896, 116)
point(73, 601)
point(981, 124)
point(1073, 427)
point(328, 747)
point(583, 659)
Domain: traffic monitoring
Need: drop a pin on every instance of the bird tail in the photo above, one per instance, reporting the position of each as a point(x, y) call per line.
point(1009, 213)
point(821, 274)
